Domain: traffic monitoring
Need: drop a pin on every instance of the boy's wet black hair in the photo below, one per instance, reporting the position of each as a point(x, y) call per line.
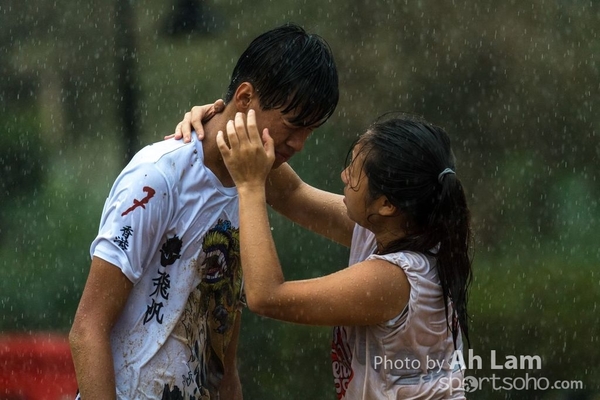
point(291, 70)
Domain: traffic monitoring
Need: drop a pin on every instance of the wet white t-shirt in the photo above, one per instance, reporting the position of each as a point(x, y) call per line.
point(172, 228)
point(411, 356)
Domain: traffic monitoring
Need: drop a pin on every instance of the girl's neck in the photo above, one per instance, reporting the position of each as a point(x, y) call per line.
point(389, 230)
point(385, 239)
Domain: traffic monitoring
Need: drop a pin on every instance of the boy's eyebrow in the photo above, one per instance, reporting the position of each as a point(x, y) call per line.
point(289, 116)
point(312, 127)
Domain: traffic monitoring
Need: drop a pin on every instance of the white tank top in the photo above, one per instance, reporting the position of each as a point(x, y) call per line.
point(411, 356)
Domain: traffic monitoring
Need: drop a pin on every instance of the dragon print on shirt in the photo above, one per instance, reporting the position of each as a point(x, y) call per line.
point(209, 316)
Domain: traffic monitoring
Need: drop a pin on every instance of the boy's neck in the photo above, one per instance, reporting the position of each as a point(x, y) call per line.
point(212, 156)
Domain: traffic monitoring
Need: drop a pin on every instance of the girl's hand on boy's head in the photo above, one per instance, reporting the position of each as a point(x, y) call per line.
point(248, 155)
point(194, 120)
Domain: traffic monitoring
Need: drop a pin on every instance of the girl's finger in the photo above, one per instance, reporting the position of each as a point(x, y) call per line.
point(219, 105)
point(269, 144)
point(184, 128)
point(253, 133)
point(196, 117)
point(222, 144)
point(240, 127)
point(232, 136)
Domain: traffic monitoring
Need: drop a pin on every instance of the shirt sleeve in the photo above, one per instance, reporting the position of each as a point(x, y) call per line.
point(134, 219)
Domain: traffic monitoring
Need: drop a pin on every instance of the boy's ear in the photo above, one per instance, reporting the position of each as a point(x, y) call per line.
point(243, 96)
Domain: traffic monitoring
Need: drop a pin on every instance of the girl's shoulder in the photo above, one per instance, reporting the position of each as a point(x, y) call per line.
point(409, 261)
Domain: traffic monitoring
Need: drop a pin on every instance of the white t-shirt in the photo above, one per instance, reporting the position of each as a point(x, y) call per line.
point(172, 228)
point(411, 356)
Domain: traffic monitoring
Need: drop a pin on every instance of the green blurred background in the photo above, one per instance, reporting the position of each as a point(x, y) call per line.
point(516, 84)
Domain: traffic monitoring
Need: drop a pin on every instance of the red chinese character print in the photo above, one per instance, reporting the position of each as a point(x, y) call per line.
point(141, 203)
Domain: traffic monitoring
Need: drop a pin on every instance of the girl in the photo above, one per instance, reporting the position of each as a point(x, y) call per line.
point(400, 308)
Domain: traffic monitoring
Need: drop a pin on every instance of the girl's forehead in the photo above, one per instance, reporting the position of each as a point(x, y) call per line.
point(356, 150)
point(360, 152)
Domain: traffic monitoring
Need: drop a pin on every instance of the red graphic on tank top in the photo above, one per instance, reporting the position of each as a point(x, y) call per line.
point(141, 203)
point(341, 361)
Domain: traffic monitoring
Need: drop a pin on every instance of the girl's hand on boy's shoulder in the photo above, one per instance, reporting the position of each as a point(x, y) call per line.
point(193, 120)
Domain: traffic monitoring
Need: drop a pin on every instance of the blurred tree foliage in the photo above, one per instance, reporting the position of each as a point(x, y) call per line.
point(515, 83)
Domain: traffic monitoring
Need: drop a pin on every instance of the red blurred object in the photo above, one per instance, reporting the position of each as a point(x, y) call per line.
point(36, 366)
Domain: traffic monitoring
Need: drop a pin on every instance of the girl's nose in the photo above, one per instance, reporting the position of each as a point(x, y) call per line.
point(344, 176)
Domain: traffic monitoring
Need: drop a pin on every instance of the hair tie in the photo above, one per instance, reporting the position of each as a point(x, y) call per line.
point(444, 172)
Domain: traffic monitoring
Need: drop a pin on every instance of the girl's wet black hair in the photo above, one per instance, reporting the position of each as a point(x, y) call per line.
point(404, 156)
point(292, 70)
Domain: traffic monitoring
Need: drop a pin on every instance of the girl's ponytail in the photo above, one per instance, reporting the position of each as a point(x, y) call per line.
point(451, 218)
